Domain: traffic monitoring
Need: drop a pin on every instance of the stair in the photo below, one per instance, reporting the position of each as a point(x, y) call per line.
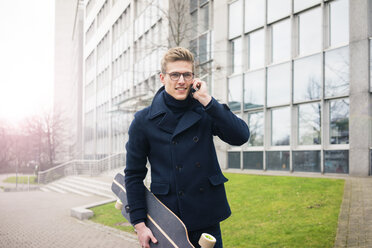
point(81, 185)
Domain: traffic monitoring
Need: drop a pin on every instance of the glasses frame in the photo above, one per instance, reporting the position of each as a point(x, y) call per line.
point(172, 74)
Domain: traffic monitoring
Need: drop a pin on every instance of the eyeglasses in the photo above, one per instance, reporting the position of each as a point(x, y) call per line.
point(175, 76)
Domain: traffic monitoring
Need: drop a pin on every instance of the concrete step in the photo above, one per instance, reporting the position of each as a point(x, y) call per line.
point(80, 185)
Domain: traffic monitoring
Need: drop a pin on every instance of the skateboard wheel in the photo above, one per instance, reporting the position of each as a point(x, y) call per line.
point(118, 204)
point(207, 241)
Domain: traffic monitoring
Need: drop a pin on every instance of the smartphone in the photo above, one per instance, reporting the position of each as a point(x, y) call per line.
point(192, 90)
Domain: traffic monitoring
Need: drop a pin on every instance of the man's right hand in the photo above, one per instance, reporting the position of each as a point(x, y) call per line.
point(144, 235)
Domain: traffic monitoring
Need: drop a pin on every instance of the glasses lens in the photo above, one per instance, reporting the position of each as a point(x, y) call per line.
point(175, 76)
point(187, 76)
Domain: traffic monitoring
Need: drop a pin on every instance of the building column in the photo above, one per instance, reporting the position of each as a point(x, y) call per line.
point(360, 102)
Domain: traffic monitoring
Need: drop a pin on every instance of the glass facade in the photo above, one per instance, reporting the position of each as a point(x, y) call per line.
point(295, 77)
point(277, 160)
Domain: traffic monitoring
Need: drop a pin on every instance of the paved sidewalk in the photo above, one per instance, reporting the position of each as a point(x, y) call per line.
point(42, 219)
point(355, 220)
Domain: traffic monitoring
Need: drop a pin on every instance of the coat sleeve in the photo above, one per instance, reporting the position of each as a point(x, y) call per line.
point(135, 171)
point(226, 125)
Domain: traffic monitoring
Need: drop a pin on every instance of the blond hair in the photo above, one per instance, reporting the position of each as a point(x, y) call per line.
point(175, 54)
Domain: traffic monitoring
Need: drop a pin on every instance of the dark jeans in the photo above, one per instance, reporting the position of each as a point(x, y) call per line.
point(214, 230)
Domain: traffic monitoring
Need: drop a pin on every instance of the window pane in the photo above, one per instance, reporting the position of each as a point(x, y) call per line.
point(339, 121)
point(281, 126)
point(237, 58)
point(203, 48)
point(204, 18)
point(193, 5)
point(339, 22)
point(194, 22)
point(254, 89)
point(301, 4)
point(310, 31)
point(233, 160)
point(309, 124)
point(254, 14)
point(203, 2)
point(253, 160)
point(336, 72)
point(256, 128)
point(281, 40)
point(256, 50)
point(235, 19)
point(277, 160)
point(307, 76)
point(308, 161)
point(336, 162)
point(278, 84)
point(277, 9)
point(235, 92)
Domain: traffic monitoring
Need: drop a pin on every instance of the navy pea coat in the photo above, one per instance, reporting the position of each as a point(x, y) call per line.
point(185, 173)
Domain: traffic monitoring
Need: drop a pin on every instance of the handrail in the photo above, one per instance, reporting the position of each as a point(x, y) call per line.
point(82, 167)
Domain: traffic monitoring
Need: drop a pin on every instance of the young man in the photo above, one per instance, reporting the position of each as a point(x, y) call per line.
point(176, 134)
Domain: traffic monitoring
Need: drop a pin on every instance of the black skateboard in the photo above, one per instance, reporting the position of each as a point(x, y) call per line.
point(167, 228)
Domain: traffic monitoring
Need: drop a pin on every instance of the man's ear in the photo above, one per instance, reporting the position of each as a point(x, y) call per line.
point(162, 76)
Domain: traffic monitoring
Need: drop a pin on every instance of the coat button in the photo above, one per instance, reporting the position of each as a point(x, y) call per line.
point(174, 142)
point(180, 193)
point(201, 189)
point(179, 167)
point(197, 164)
point(195, 139)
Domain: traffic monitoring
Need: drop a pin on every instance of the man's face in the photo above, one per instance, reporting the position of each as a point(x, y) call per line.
point(178, 89)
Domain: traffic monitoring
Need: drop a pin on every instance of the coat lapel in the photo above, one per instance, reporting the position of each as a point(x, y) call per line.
point(186, 121)
point(168, 121)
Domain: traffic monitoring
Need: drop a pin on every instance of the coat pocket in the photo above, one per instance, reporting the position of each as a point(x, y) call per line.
point(160, 188)
point(218, 179)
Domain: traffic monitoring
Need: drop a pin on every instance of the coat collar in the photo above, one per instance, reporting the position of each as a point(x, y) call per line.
point(168, 122)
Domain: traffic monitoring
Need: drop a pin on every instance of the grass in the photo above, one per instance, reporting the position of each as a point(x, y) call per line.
point(269, 211)
point(282, 211)
point(108, 215)
point(21, 180)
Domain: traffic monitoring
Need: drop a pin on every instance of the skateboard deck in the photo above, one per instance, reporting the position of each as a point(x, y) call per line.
point(167, 228)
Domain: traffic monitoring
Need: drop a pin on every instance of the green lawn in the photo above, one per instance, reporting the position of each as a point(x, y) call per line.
point(270, 211)
point(108, 215)
point(21, 180)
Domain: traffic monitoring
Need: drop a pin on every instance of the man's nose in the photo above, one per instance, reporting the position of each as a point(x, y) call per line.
point(181, 79)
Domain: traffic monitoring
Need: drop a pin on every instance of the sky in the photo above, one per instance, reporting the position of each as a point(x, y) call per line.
point(26, 58)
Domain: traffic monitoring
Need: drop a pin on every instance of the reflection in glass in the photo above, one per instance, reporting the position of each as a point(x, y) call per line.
point(339, 22)
point(280, 126)
point(336, 72)
point(237, 62)
point(194, 21)
point(281, 40)
point(277, 160)
point(235, 19)
point(193, 4)
point(204, 18)
point(235, 92)
point(277, 9)
point(253, 160)
point(339, 121)
point(278, 84)
point(308, 161)
point(203, 48)
point(254, 14)
point(256, 128)
point(336, 161)
point(309, 124)
point(307, 76)
point(254, 89)
point(256, 50)
point(233, 159)
point(310, 31)
point(301, 4)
